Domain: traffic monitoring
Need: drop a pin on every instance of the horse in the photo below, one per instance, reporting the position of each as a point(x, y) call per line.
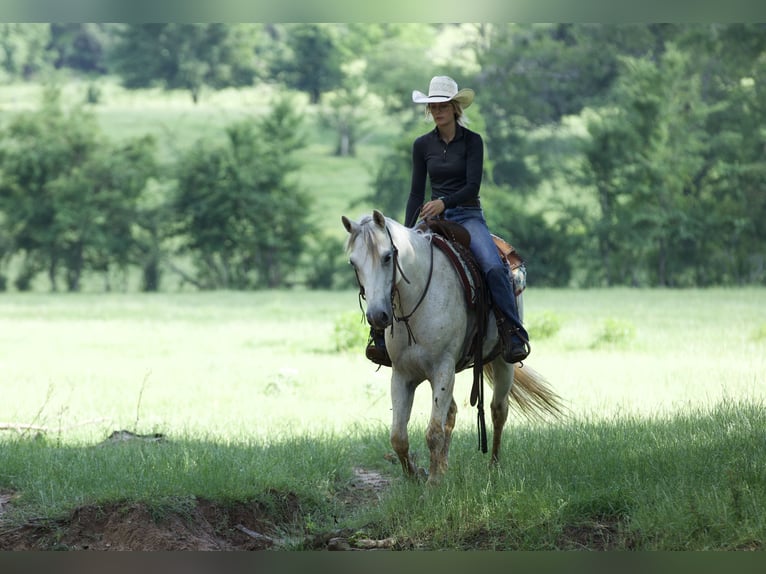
point(403, 279)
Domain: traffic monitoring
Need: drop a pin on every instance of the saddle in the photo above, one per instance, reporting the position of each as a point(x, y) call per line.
point(460, 242)
point(454, 241)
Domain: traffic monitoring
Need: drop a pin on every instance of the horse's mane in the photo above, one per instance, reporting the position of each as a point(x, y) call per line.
point(365, 230)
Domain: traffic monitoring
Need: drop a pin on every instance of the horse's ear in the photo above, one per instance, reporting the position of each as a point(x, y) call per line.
point(347, 223)
point(379, 218)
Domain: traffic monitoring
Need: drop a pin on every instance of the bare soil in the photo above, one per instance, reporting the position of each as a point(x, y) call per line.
point(204, 525)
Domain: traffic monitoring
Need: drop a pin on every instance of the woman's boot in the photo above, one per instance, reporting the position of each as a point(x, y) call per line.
point(513, 335)
point(515, 341)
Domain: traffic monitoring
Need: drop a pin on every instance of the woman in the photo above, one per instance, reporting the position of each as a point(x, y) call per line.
point(452, 156)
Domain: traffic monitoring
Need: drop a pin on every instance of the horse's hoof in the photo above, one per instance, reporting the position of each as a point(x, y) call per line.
point(434, 480)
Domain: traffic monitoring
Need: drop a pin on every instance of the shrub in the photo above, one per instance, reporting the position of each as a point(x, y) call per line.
point(350, 331)
point(614, 332)
point(544, 326)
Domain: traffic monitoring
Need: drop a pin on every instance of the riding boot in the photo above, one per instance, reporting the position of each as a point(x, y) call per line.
point(376, 348)
point(513, 335)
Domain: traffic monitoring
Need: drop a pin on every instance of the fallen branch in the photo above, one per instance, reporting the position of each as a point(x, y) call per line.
point(258, 536)
point(22, 426)
point(18, 427)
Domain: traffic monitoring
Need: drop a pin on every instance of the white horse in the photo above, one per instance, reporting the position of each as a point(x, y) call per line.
point(403, 279)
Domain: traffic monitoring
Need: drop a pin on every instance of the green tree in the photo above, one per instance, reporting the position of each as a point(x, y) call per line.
point(243, 217)
point(346, 111)
point(185, 56)
point(731, 60)
point(314, 65)
point(81, 46)
point(534, 75)
point(396, 63)
point(23, 51)
point(646, 158)
point(68, 193)
point(95, 206)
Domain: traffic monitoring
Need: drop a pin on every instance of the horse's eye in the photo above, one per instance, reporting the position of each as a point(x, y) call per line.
point(387, 258)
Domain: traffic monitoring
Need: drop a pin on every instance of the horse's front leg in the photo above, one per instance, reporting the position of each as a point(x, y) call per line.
point(402, 396)
point(439, 433)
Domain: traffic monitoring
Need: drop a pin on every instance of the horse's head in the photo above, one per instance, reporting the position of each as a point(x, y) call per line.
point(372, 254)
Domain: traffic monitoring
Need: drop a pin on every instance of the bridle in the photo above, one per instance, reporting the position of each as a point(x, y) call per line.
point(397, 267)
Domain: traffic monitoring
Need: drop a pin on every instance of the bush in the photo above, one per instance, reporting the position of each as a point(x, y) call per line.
point(350, 332)
point(324, 259)
point(544, 326)
point(614, 332)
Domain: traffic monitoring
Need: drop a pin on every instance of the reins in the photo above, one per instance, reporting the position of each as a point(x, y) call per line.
point(395, 289)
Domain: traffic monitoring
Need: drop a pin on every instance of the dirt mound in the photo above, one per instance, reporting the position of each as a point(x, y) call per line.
point(134, 526)
point(189, 525)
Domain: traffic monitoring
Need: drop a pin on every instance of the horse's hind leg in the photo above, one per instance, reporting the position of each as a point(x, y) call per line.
point(502, 378)
point(449, 426)
point(402, 396)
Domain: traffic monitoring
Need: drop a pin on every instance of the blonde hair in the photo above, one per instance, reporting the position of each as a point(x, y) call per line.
point(457, 109)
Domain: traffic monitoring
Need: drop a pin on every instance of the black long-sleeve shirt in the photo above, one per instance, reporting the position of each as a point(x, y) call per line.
point(454, 170)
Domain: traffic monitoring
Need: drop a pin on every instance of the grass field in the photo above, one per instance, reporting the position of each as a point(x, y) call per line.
point(261, 362)
point(664, 444)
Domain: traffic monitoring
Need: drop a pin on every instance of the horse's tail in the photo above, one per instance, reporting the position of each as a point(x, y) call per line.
point(532, 393)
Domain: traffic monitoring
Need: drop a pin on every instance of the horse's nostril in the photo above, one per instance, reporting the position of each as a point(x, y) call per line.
point(379, 319)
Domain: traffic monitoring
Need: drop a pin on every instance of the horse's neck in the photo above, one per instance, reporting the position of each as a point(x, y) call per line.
point(414, 253)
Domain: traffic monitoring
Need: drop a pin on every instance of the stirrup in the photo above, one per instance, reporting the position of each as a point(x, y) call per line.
point(512, 353)
point(516, 353)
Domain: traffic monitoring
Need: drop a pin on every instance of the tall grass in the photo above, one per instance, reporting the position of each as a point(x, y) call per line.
point(688, 482)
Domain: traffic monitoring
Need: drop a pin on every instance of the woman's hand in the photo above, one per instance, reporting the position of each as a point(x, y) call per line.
point(432, 209)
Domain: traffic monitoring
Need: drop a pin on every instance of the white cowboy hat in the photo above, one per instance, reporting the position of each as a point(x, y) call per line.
point(443, 89)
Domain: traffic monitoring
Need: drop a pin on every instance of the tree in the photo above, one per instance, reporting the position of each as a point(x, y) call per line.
point(185, 56)
point(23, 49)
point(81, 46)
point(243, 218)
point(732, 184)
point(69, 193)
point(346, 111)
point(647, 157)
point(396, 63)
point(534, 75)
point(315, 63)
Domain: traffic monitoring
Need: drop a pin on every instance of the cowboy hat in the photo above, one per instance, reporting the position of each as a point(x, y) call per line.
point(443, 89)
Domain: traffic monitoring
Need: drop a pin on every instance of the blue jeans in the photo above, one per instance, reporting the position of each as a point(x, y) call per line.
point(494, 268)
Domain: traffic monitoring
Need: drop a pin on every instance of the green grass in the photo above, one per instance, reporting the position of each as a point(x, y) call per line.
point(663, 448)
point(690, 482)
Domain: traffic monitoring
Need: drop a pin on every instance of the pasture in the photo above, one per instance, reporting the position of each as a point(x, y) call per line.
point(261, 406)
point(272, 427)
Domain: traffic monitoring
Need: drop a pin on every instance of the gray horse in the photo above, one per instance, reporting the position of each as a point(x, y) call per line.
point(403, 279)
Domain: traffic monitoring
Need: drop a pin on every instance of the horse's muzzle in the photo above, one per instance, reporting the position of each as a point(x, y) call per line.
point(379, 318)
